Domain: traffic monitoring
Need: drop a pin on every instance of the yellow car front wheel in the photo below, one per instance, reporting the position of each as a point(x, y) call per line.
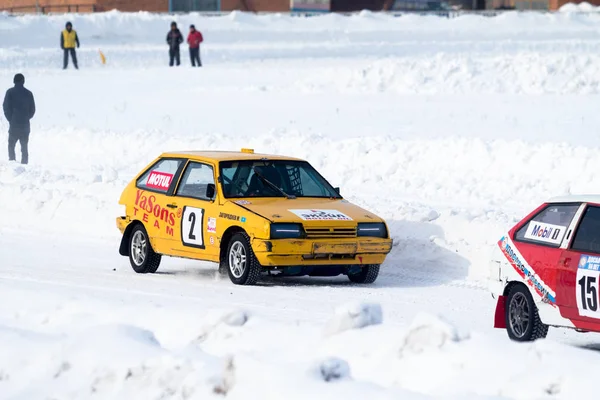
point(242, 266)
point(367, 274)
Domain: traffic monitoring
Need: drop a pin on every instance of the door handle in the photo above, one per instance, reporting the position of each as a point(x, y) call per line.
point(172, 205)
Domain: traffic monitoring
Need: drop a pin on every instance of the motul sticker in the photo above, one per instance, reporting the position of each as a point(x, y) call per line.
point(546, 233)
point(321, 215)
point(159, 180)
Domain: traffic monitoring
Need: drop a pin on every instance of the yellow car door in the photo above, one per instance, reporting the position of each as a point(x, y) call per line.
point(151, 203)
point(194, 199)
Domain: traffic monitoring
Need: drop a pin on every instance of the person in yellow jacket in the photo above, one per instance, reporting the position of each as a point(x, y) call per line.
point(68, 41)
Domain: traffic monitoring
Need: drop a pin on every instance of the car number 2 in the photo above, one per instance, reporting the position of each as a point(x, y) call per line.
point(192, 222)
point(587, 290)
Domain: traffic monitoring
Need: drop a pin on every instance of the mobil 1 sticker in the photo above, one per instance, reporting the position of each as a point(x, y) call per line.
point(586, 290)
point(545, 233)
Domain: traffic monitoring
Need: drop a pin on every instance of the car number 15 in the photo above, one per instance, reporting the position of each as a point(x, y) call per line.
point(588, 277)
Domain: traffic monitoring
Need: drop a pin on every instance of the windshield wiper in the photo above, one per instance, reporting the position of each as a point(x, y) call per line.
point(274, 186)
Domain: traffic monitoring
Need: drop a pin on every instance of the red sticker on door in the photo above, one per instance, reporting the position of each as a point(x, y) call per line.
point(159, 180)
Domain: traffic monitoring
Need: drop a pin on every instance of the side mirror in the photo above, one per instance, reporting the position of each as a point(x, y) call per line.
point(337, 190)
point(210, 191)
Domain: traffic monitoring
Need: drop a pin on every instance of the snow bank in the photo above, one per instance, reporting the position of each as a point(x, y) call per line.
point(432, 358)
point(120, 361)
point(135, 29)
point(125, 361)
point(531, 73)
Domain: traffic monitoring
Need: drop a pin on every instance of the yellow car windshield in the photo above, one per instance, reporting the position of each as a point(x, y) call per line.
point(273, 178)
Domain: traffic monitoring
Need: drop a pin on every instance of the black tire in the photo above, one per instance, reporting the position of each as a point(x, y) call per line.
point(368, 274)
point(242, 271)
point(523, 323)
point(142, 257)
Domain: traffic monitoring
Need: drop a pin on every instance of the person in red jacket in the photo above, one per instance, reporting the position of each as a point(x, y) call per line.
point(194, 39)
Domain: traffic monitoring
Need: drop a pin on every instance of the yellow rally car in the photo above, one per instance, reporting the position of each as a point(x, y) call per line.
point(252, 214)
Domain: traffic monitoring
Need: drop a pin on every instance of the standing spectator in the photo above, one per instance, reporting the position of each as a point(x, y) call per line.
point(194, 39)
point(19, 108)
point(68, 40)
point(174, 39)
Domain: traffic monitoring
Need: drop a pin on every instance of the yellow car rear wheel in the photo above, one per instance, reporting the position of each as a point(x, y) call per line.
point(142, 257)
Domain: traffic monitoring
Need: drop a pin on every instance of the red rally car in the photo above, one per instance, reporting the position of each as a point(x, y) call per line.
point(546, 270)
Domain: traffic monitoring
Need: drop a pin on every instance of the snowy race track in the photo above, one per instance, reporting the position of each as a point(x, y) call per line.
point(450, 129)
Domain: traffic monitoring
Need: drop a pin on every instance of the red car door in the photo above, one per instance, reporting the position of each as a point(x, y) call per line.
point(539, 240)
point(578, 285)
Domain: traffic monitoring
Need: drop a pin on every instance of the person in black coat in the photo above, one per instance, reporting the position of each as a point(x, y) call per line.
point(174, 39)
point(19, 108)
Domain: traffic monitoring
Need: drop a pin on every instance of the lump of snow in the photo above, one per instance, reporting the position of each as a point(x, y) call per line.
point(587, 7)
point(354, 316)
point(221, 321)
point(227, 317)
point(429, 332)
point(333, 369)
point(432, 215)
point(109, 175)
point(581, 7)
point(227, 381)
point(569, 7)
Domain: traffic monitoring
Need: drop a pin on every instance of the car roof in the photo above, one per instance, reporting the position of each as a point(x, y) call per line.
point(214, 155)
point(579, 198)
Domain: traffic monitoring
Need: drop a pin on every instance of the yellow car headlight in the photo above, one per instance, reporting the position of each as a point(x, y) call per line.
point(286, 231)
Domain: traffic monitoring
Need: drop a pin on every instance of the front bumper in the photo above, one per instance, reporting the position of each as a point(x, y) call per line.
point(292, 252)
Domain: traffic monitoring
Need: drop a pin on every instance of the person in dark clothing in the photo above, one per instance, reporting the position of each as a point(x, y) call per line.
point(68, 40)
point(19, 108)
point(194, 39)
point(174, 39)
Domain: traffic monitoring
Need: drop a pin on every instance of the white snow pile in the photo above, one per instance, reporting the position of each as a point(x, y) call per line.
point(428, 360)
point(334, 369)
point(354, 316)
point(223, 323)
point(584, 6)
point(428, 332)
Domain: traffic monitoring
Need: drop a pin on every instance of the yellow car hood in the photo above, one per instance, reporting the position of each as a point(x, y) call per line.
point(309, 211)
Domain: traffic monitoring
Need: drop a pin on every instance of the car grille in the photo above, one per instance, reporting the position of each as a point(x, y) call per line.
point(317, 233)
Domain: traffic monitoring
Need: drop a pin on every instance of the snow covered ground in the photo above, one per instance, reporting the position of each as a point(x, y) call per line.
point(451, 129)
